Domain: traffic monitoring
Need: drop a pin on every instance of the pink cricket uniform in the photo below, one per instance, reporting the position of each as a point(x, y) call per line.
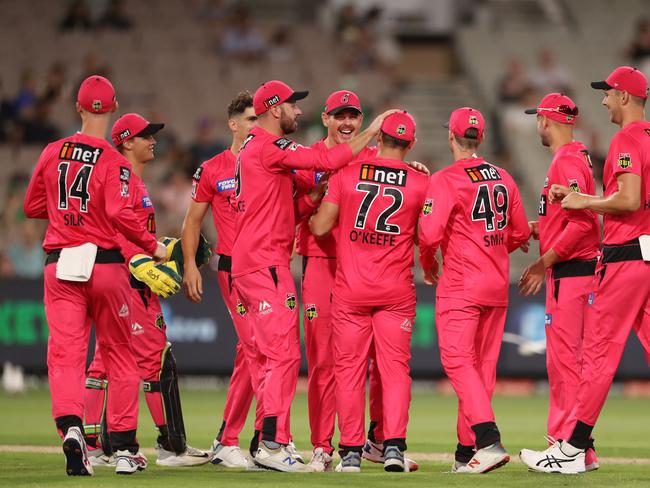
point(264, 235)
point(374, 296)
point(148, 327)
point(319, 267)
point(214, 182)
point(473, 212)
point(622, 301)
point(81, 184)
point(575, 237)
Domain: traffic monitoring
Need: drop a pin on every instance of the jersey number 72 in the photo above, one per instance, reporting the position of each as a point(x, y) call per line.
point(382, 224)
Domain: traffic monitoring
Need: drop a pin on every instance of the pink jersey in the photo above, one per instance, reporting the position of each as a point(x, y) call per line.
point(264, 187)
point(145, 212)
point(81, 184)
point(214, 182)
point(473, 212)
point(379, 203)
point(629, 152)
point(573, 234)
point(306, 243)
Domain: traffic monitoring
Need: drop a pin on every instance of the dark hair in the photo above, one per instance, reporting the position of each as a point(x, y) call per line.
point(394, 142)
point(240, 103)
point(470, 142)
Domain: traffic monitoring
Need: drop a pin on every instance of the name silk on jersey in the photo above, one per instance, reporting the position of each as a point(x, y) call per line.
point(214, 183)
point(629, 152)
point(473, 212)
point(81, 184)
point(572, 234)
point(379, 203)
point(306, 243)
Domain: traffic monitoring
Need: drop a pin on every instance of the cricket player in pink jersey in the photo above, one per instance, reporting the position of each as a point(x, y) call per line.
point(81, 184)
point(569, 242)
point(264, 236)
point(343, 118)
point(214, 187)
point(133, 136)
point(376, 202)
point(622, 300)
point(473, 213)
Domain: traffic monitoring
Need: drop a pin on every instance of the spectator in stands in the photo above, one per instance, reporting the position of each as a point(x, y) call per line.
point(26, 254)
point(347, 22)
point(205, 145)
point(26, 97)
point(549, 76)
point(77, 17)
point(241, 41)
point(37, 127)
point(54, 83)
point(515, 83)
point(7, 115)
point(639, 50)
point(115, 17)
point(282, 47)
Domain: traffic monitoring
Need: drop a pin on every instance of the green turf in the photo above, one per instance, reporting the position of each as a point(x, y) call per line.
point(622, 432)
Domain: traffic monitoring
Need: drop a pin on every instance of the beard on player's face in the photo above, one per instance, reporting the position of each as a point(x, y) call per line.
point(288, 121)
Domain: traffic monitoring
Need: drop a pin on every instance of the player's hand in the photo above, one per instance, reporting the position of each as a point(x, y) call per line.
point(317, 193)
point(557, 193)
point(162, 279)
point(430, 275)
point(575, 201)
point(193, 283)
point(375, 126)
point(532, 279)
point(534, 229)
point(160, 254)
point(525, 247)
point(416, 165)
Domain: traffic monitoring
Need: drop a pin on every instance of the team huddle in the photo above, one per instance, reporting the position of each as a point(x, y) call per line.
point(355, 213)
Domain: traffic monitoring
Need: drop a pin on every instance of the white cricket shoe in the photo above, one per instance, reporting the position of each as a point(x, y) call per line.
point(127, 463)
point(350, 463)
point(561, 457)
point(191, 457)
point(485, 460)
point(97, 458)
point(374, 453)
point(456, 466)
point(76, 454)
point(321, 461)
point(291, 448)
point(279, 459)
point(394, 460)
point(228, 456)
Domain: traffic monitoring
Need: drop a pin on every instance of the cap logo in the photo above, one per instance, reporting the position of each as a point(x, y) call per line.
point(345, 98)
point(274, 100)
point(401, 129)
point(124, 134)
point(473, 120)
point(97, 105)
point(569, 118)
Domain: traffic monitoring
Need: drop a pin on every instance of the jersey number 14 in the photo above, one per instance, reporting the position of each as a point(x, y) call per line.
point(78, 189)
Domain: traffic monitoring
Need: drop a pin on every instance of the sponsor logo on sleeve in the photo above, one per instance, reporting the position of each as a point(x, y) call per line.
point(146, 202)
point(383, 174)
point(546, 182)
point(548, 319)
point(125, 174)
point(290, 301)
point(198, 173)
point(587, 157)
point(483, 172)
point(284, 143)
point(427, 208)
point(76, 151)
point(310, 311)
point(226, 185)
point(624, 160)
point(573, 184)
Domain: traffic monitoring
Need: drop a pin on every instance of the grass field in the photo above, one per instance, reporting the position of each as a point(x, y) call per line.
point(623, 434)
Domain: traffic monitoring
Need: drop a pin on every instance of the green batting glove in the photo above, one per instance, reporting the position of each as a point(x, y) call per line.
point(162, 279)
point(175, 251)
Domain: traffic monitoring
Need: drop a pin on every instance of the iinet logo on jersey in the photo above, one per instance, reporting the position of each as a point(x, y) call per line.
point(383, 174)
point(75, 151)
point(483, 172)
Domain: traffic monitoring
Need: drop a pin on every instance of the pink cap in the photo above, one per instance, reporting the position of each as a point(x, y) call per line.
point(625, 78)
point(272, 93)
point(341, 100)
point(132, 125)
point(399, 125)
point(556, 107)
point(96, 95)
point(465, 118)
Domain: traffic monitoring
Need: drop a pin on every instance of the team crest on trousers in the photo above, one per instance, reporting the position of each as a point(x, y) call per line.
point(241, 309)
point(310, 311)
point(290, 301)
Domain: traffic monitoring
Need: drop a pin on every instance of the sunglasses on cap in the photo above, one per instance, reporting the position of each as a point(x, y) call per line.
point(562, 109)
